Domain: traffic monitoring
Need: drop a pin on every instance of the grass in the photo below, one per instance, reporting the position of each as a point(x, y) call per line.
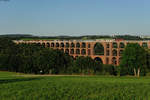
point(73, 87)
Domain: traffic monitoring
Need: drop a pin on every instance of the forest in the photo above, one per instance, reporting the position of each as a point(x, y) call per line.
point(84, 37)
point(36, 59)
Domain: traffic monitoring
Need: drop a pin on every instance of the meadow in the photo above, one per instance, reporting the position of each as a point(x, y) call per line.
point(25, 87)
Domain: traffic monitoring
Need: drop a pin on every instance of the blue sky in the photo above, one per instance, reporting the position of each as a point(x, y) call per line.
point(75, 17)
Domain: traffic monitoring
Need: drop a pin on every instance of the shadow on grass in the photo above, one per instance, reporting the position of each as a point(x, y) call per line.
point(2, 81)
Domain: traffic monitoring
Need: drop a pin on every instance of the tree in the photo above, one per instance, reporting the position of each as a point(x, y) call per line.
point(148, 59)
point(26, 52)
point(60, 62)
point(109, 70)
point(133, 59)
point(32, 58)
point(87, 65)
point(82, 64)
point(42, 61)
point(8, 54)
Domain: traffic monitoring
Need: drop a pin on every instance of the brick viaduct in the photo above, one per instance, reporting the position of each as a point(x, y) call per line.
point(106, 51)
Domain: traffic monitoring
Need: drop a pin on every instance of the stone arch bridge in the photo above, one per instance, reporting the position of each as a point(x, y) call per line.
point(106, 51)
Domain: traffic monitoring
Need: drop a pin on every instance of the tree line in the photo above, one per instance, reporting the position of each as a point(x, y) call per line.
point(84, 37)
point(32, 58)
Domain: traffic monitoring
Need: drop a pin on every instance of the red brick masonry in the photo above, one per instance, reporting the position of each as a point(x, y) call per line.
point(112, 49)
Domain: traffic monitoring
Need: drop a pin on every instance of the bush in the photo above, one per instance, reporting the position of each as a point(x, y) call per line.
point(109, 70)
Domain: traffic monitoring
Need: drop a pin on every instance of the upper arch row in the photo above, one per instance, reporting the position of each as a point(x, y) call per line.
point(87, 45)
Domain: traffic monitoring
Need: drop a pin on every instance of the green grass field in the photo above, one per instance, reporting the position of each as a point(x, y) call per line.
point(14, 87)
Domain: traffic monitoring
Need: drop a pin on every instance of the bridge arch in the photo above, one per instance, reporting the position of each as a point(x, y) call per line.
point(83, 51)
point(98, 49)
point(114, 52)
point(145, 45)
point(48, 44)
point(43, 44)
point(83, 45)
point(57, 44)
point(121, 45)
point(114, 61)
point(120, 52)
point(52, 44)
point(98, 59)
point(61, 44)
point(78, 45)
point(67, 51)
point(67, 45)
point(115, 45)
point(77, 51)
point(39, 44)
point(72, 44)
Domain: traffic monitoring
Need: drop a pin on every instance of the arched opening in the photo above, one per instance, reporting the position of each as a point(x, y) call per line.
point(121, 45)
point(43, 45)
point(52, 44)
point(144, 45)
point(39, 44)
point(57, 44)
point(62, 45)
point(48, 44)
point(98, 59)
point(98, 49)
point(120, 60)
point(67, 51)
point(78, 45)
point(89, 46)
point(67, 45)
point(114, 61)
point(83, 51)
point(107, 45)
point(72, 45)
point(77, 51)
point(115, 45)
point(72, 51)
point(114, 52)
point(83, 45)
point(120, 52)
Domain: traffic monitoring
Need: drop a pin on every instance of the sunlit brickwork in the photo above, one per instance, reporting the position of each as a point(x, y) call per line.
point(107, 51)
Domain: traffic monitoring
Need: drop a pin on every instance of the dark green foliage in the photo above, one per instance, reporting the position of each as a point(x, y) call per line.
point(128, 37)
point(109, 70)
point(133, 60)
point(147, 60)
point(45, 61)
point(34, 58)
point(87, 65)
point(115, 45)
point(8, 53)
